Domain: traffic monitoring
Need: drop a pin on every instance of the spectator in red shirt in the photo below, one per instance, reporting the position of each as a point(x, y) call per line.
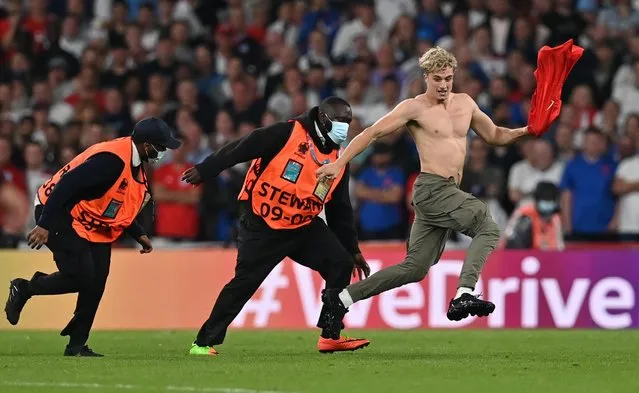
point(10, 172)
point(12, 33)
point(176, 201)
point(87, 89)
point(37, 23)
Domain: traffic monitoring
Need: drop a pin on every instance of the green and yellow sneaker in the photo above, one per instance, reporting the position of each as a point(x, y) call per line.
point(202, 351)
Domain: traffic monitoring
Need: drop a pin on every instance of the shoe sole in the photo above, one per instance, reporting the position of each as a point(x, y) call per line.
point(344, 350)
point(479, 311)
point(204, 354)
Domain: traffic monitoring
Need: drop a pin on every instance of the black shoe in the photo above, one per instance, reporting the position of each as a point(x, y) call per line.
point(18, 297)
point(466, 305)
point(336, 312)
point(81, 352)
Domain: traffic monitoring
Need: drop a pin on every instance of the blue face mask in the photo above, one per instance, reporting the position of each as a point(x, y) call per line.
point(339, 131)
point(546, 207)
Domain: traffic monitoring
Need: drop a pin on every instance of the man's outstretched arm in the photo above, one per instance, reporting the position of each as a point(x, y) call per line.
point(392, 121)
point(492, 134)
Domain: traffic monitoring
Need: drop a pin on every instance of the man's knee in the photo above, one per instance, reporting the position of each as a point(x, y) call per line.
point(489, 229)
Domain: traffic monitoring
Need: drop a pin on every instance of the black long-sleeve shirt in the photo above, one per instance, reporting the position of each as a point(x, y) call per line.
point(89, 180)
point(266, 143)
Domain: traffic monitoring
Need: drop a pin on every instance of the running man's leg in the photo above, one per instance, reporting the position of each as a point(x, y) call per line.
point(473, 219)
point(446, 206)
point(426, 244)
point(459, 211)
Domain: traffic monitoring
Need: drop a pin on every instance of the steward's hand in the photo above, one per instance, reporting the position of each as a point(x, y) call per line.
point(361, 267)
point(145, 242)
point(37, 237)
point(328, 171)
point(192, 176)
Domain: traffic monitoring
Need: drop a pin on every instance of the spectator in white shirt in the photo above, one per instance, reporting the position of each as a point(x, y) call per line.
point(625, 75)
point(539, 165)
point(317, 53)
point(150, 33)
point(355, 97)
point(627, 95)
point(285, 24)
point(364, 24)
point(71, 40)
point(36, 174)
point(626, 187)
point(281, 102)
point(184, 11)
point(390, 91)
point(388, 11)
point(483, 52)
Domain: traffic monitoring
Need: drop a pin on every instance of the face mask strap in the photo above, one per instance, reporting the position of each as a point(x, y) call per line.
point(158, 156)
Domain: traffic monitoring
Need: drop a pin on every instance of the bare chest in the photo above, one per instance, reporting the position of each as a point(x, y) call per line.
point(451, 122)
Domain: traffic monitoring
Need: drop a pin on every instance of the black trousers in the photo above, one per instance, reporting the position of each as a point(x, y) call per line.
point(260, 249)
point(83, 267)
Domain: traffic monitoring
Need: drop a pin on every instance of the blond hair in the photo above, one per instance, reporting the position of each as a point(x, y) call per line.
point(436, 59)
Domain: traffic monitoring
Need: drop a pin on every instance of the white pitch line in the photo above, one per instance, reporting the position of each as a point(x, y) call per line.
point(132, 387)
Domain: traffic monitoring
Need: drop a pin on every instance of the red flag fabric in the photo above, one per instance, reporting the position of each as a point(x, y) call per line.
point(553, 67)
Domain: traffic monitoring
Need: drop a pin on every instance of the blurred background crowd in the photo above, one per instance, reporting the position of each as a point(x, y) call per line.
point(77, 72)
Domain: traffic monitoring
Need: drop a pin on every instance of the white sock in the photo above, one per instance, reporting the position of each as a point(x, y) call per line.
point(463, 290)
point(346, 298)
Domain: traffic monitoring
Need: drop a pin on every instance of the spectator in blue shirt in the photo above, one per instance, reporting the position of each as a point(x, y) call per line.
point(321, 17)
point(380, 190)
point(432, 20)
point(587, 201)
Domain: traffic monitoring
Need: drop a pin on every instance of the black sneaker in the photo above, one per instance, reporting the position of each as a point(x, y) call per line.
point(18, 297)
point(336, 312)
point(466, 305)
point(83, 351)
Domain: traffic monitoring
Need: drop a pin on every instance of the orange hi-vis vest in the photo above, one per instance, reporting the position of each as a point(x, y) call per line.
point(287, 193)
point(104, 219)
point(546, 234)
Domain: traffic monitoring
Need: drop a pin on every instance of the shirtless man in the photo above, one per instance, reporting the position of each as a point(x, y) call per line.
point(438, 121)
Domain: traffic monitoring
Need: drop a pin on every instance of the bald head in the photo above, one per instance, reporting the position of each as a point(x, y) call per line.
point(336, 109)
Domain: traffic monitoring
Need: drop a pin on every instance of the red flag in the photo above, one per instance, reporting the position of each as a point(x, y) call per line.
point(553, 67)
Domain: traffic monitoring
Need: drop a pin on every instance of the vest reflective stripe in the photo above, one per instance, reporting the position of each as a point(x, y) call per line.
point(104, 219)
point(286, 193)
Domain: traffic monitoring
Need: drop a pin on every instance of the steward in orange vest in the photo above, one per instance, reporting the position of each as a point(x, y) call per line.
point(536, 225)
point(280, 201)
point(80, 212)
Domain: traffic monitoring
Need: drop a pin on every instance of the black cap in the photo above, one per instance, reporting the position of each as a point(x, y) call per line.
point(155, 131)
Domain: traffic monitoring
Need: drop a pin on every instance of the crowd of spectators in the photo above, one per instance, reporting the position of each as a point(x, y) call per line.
point(77, 72)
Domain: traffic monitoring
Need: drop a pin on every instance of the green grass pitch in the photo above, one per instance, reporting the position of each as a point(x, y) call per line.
point(492, 361)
